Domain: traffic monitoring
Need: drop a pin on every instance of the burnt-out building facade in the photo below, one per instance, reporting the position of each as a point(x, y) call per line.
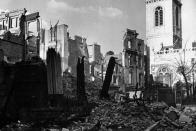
point(78, 48)
point(132, 65)
point(96, 60)
point(19, 35)
point(134, 61)
point(57, 37)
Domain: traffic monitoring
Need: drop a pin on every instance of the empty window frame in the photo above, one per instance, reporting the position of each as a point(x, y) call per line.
point(12, 23)
point(4, 24)
point(159, 16)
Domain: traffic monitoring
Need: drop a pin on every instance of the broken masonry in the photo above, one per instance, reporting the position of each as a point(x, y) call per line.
point(108, 77)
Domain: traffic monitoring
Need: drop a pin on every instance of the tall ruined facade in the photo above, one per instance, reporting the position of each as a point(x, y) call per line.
point(95, 59)
point(133, 61)
point(19, 35)
point(57, 39)
point(78, 48)
point(69, 49)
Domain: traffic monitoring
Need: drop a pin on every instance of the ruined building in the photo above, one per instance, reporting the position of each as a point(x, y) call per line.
point(19, 35)
point(78, 48)
point(57, 37)
point(132, 68)
point(133, 61)
point(95, 53)
point(96, 60)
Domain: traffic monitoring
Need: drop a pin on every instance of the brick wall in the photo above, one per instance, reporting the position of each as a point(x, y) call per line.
point(12, 51)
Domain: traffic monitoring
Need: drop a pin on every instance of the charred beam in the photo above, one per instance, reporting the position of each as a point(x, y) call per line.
point(108, 78)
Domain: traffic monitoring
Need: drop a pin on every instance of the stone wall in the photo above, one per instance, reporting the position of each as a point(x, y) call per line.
point(69, 49)
point(14, 33)
point(12, 51)
point(133, 60)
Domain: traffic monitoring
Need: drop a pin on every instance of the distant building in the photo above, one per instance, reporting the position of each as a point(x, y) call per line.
point(19, 35)
point(69, 49)
point(95, 59)
point(94, 53)
point(78, 48)
point(55, 39)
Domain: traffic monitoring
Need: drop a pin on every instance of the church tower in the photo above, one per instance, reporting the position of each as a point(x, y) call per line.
point(163, 24)
point(164, 37)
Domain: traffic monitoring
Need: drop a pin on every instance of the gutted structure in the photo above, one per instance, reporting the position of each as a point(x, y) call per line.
point(96, 60)
point(19, 35)
point(57, 37)
point(133, 61)
point(78, 48)
point(132, 65)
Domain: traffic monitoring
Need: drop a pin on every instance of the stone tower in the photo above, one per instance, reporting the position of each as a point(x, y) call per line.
point(163, 34)
point(163, 24)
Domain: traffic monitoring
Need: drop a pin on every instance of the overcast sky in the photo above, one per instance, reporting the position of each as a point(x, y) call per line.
point(189, 21)
point(101, 21)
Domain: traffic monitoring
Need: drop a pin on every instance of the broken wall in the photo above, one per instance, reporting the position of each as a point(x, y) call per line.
point(133, 60)
point(14, 29)
point(60, 43)
point(78, 48)
point(13, 52)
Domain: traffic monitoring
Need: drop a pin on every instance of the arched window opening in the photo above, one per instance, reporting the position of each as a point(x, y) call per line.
point(161, 16)
point(158, 16)
point(164, 75)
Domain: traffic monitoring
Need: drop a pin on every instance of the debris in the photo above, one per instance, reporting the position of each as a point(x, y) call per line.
point(172, 123)
point(185, 118)
point(172, 115)
point(153, 127)
point(104, 115)
point(64, 129)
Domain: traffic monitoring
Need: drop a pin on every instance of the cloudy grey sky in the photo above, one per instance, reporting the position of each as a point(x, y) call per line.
point(101, 21)
point(189, 21)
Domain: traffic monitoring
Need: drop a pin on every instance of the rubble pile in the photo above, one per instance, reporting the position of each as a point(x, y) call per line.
point(175, 120)
point(122, 116)
point(118, 115)
point(114, 116)
point(69, 86)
